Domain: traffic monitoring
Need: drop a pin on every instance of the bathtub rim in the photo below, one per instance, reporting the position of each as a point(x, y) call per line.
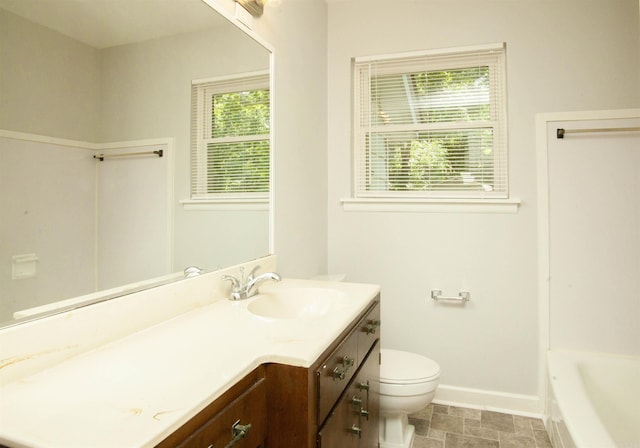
point(566, 386)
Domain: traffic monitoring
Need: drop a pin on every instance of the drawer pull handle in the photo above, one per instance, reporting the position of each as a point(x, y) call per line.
point(238, 432)
point(364, 386)
point(356, 430)
point(371, 327)
point(338, 374)
point(347, 362)
point(364, 413)
point(356, 400)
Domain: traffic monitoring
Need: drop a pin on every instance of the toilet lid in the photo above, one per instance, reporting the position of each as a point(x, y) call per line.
point(404, 367)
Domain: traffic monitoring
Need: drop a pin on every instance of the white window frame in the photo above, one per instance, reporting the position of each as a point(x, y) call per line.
point(201, 126)
point(363, 199)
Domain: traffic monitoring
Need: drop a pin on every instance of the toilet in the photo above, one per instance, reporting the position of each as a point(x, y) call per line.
point(408, 382)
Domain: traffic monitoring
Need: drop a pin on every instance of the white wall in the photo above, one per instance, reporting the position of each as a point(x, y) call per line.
point(49, 83)
point(297, 30)
point(133, 215)
point(562, 55)
point(594, 237)
point(49, 197)
point(33, 178)
point(90, 224)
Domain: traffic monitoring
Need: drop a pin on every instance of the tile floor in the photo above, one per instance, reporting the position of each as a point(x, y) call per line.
point(439, 426)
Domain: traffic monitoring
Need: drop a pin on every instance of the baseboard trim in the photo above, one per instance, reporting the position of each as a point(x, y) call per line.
point(526, 405)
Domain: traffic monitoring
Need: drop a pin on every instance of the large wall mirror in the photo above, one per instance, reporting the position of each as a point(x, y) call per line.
point(95, 149)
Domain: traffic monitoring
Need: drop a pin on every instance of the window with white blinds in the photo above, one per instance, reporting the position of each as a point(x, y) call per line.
point(230, 138)
point(431, 124)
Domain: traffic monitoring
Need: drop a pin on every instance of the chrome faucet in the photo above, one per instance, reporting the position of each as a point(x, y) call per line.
point(243, 290)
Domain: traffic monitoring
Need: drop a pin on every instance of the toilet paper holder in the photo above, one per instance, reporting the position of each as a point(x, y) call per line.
point(462, 297)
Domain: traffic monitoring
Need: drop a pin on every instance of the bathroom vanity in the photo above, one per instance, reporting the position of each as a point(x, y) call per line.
point(305, 376)
point(331, 404)
point(241, 413)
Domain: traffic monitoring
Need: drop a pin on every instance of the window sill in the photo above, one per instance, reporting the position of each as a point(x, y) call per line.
point(431, 205)
point(225, 204)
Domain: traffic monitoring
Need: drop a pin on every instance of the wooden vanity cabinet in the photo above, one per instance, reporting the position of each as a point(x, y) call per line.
point(353, 422)
point(311, 408)
point(245, 403)
point(340, 366)
point(332, 404)
point(367, 387)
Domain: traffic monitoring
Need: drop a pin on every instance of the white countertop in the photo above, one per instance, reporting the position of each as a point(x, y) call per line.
point(135, 391)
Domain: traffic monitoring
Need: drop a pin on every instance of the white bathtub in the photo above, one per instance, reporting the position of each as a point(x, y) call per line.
point(593, 400)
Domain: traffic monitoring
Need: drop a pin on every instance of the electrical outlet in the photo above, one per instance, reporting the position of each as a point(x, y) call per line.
point(23, 266)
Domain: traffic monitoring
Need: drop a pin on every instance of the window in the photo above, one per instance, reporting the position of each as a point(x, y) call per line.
point(230, 138)
point(431, 125)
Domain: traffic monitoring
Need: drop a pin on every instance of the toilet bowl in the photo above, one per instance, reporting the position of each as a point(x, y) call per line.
point(408, 382)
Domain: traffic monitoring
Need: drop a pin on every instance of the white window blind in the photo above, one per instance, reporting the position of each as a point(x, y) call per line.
point(431, 125)
point(230, 138)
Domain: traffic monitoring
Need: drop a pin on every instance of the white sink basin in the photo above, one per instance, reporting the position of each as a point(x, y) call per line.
point(291, 303)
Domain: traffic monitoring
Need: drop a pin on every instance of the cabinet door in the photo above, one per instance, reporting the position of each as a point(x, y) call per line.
point(341, 429)
point(367, 387)
point(250, 408)
point(355, 419)
point(338, 369)
point(368, 332)
point(335, 373)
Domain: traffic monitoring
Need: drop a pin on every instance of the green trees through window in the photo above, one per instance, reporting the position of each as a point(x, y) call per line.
point(430, 125)
point(420, 159)
point(231, 138)
point(239, 150)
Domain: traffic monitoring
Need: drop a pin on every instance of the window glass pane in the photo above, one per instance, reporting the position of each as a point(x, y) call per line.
point(430, 160)
point(240, 113)
point(238, 167)
point(431, 96)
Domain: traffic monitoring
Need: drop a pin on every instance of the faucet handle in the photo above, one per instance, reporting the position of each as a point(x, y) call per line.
point(234, 281)
point(192, 271)
point(252, 274)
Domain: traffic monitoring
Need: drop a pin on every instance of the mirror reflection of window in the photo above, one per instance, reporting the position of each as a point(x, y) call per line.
point(230, 138)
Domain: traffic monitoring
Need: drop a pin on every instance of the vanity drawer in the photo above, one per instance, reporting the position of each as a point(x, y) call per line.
point(339, 367)
point(368, 332)
point(366, 387)
point(212, 427)
point(335, 373)
point(353, 422)
point(249, 408)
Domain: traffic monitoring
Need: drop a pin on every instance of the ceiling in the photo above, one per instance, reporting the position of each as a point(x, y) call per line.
point(107, 23)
